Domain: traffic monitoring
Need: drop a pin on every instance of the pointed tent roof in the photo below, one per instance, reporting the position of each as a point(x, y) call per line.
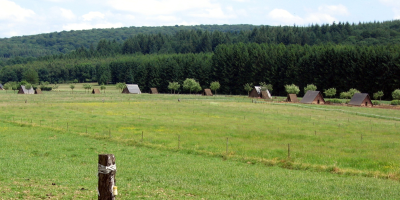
point(292, 98)
point(38, 91)
point(310, 97)
point(96, 91)
point(359, 98)
point(23, 90)
point(257, 92)
point(132, 89)
point(207, 92)
point(153, 91)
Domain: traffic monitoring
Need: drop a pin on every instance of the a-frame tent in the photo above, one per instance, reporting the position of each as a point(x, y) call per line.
point(23, 90)
point(153, 91)
point(131, 89)
point(207, 92)
point(38, 91)
point(292, 98)
point(1, 87)
point(361, 99)
point(256, 92)
point(96, 91)
point(313, 97)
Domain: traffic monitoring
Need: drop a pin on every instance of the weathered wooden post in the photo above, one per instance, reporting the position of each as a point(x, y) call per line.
point(142, 136)
point(106, 172)
point(288, 151)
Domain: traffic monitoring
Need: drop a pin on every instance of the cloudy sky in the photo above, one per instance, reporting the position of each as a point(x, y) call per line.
point(28, 17)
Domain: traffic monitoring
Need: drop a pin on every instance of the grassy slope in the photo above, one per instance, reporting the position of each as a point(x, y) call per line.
point(203, 125)
point(33, 159)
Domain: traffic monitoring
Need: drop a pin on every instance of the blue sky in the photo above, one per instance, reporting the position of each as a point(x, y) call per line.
point(27, 17)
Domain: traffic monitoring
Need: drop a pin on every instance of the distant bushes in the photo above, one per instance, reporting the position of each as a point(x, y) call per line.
point(395, 102)
point(46, 88)
point(334, 101)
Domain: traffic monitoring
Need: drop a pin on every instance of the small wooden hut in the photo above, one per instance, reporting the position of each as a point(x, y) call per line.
point(23, 90)
point(313, 97)
point(361, 99)
point(131, 89)
point(256, 92)
point(207, 92)
point(38, 91)
point(292, 98)
point(96, 91)
point(153, 91)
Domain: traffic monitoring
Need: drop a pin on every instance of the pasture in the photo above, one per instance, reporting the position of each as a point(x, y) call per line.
point(201, 147)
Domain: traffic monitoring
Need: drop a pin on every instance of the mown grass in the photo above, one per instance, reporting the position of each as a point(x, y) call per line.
point(335, 139)
point(40, 163)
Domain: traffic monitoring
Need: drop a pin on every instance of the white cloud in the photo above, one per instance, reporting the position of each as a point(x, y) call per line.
point(67, 14)
point(215, 13)
point(333, 9)
point(159, 7)
point(83, 26)
point(93, 15)
point(395, 4)
point(391, 2)
point(285, 17)
point(324, 14)
point(11, 11)
point(165, 18)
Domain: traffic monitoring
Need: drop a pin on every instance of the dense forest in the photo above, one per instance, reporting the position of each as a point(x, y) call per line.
point(363, 56)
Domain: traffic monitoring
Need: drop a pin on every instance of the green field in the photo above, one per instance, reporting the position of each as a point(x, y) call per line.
point(201, 147)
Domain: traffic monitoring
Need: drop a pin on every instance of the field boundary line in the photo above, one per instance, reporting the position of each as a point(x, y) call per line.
point(340, 110)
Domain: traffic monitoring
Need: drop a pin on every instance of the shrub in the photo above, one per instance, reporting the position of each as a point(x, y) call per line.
point(46, 88)
point(310, 87)
point(352, 91)
point(376, 103)
point(334, 101)
point(330, 92)
point(396, 94)
point(292, 89)
point(345, 95)
point(395, 102)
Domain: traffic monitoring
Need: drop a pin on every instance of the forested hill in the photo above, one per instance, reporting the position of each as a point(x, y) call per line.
point(67, 41)
point(192, 39)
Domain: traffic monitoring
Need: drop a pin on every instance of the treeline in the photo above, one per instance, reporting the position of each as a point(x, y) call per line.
point(16, 50)
point(366, 68)
point(188, 39)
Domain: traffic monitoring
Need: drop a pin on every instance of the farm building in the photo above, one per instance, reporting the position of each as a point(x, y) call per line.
point(292, 98)
point(1, 87)
point(313, 97)
point(361, 99)
point(96, 91)
point(132, 89)
point(23, 90)
point(153, 91)
point(207, 92)
point(258, 93)
point(38, 91)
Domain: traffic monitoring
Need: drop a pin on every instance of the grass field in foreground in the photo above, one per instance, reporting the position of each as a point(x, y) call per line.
point(338, 139)
point(41, 163)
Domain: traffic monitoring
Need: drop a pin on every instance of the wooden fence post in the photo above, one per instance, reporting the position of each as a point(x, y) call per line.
point(106, 172)
point(288, 150)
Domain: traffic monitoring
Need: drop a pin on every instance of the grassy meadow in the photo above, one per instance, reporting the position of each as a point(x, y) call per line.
point(201, 147)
